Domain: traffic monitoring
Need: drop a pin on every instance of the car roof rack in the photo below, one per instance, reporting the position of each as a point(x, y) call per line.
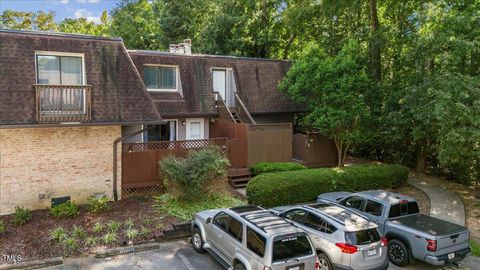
point(337, 217)
point(245, 208)
point(266, 220)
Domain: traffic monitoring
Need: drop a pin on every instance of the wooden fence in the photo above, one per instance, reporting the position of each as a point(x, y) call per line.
point(314, 149)
point(269, 143)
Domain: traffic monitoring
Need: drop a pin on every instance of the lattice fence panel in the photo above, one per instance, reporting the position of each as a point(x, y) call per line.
point(155, 189)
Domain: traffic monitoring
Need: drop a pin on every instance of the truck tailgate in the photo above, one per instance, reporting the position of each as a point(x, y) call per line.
point(452, 242)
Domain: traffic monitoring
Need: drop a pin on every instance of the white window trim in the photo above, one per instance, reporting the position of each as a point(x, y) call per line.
point(202, 128)
point(177, 74)
point(166, 120)
point(54, 53)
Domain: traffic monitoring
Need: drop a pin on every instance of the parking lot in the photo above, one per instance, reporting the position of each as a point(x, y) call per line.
point(179, 255)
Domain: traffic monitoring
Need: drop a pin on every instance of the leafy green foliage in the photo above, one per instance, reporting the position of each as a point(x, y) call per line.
point(70, 245)
point(131, 234)
point(282, 188)
point(144, 231)
point(65, 210)
point(98, 228)
point(2, 227)
point(41, 21)
point(266, 167)
point(98, 205)
point(90, 241)
point(21, 216)
point(58, 235)
point(78, 232)
point(184, 210)
point(128, 224)
point(113, 226)
point(475, 248)
point(189, 178)
point(109, 238)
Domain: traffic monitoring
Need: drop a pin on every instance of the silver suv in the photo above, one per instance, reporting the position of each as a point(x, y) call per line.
point(342, 238)
point(252, 238)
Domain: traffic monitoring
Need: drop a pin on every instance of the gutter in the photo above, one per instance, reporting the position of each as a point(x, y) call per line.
point(115, 158)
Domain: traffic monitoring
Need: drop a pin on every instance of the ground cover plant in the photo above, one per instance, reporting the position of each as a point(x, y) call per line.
point(266, 167)
point(65, 210)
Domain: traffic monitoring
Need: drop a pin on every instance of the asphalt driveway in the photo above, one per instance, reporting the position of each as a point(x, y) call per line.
point(179, 255)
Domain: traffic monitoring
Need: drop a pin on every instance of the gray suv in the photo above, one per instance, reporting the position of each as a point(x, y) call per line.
point(342, 239)
point(252, 238)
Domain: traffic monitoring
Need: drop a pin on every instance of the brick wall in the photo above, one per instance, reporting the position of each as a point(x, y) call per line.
point(38, 164)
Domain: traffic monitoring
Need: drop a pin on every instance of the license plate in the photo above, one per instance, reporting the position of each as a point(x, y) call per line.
point(451, 256)
point(371, 252)
point(294, 268)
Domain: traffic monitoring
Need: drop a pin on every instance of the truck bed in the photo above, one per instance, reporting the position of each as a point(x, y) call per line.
point(429, 225)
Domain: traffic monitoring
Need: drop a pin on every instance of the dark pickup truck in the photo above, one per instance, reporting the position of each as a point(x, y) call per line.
point(410, 234)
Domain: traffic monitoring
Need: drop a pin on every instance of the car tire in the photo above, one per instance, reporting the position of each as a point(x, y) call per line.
point(239, 266)
point(398, 253)
point(197, 240)
point(324, 262)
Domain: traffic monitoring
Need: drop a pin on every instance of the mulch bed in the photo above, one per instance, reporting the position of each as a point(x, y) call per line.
point(32, 240)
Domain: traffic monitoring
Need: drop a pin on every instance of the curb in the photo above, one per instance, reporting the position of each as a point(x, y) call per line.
point(33, 264)
point(125, 250)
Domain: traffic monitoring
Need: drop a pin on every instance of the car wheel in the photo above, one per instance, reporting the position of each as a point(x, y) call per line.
point(197, 241)
point(239, 266)
point(398, 253)
point(324, 262)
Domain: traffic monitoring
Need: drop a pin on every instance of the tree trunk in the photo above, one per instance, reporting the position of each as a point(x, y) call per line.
point(375, 43)
point(421, 159)
point(341, 151)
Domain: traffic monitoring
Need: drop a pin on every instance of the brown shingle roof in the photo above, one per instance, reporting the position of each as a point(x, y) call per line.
point(118, 94)
point(256, 81)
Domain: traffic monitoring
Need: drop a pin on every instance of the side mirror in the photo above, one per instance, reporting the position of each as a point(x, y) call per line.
point(209, 220)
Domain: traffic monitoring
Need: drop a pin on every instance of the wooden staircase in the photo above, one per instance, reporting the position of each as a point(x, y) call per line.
point(239, 178)
point(235, 115)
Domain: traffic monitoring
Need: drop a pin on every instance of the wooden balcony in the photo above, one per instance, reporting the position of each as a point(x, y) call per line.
point(63, 103)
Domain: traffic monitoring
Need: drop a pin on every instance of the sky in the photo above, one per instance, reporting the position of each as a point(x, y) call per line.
point(89, 9)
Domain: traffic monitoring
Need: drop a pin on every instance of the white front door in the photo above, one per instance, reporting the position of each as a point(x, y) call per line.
point(195, 129)
point(219, 82)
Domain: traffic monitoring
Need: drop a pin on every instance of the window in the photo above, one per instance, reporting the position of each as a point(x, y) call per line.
point(161, 78)
point(362, 237)
point(296, 215)
point(313, 222)
point(235, 229)
point(58, 69)
point(255, 242)
point(290, 247)
point(402, 209)
point(224, 84)
point(222, 220)
point(163, 132)
point(373, 208)
point(353, 202)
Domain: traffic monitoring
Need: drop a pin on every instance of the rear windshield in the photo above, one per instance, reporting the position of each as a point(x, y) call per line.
point(362, 237)
point(403, 209)
point(291, 247)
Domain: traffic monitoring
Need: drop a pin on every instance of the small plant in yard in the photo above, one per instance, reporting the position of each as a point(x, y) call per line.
point(58, 234)
point(113, 226)
point(71, 245)
point(109, 238)
point(63, 210)
point(159, 226)
point(98, 204)
point(98, 228)
point(148, 221)
point(144, 231)
point(90, 241)
point(78, 232)
point(21, 216)
point(475, 248)
point(139, 197)
point(2, 227)
point(128, 224)
point(130, 234)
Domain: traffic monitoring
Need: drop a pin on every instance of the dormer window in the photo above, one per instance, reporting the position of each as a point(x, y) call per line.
point(161, 78)
point(59, 68)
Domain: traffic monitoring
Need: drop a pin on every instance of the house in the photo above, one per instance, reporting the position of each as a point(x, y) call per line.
point(72, 108)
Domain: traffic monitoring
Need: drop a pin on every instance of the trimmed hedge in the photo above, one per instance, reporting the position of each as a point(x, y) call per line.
point(283, 188)
point(268, 167)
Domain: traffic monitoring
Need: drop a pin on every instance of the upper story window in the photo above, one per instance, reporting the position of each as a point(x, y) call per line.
point(161, 78)
point(60, 68)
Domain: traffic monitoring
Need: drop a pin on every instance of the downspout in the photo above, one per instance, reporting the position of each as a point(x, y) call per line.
point(115, 157)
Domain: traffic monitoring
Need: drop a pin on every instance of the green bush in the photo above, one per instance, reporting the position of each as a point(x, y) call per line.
point(273, 189)
point(191, 178)
point(267, 167)
point(2, 227)
point(21, 216)
point(98, 204)
point(66, 209)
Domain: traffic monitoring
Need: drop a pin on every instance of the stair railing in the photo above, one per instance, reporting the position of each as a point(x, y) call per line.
point(223, 110)
point(244, 109)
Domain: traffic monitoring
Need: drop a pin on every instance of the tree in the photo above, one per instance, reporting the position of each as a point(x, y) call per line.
point(82, 26)
point(333, 90)
point(20, 20)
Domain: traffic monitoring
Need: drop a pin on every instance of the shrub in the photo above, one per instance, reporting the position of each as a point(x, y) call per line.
point(109, 238)
point(71, 246)
point(128, 224)
point(78, 232)
point(113, 226)
point(98, 228)
point(66, 209)
point(90, 241)
point(2, 227)
point(21, 216)
point(192, 177)
point(58, 234)
point(98, 204)
point(144, 231)
point(130, 234)
point(273, 189)
point(267, 167)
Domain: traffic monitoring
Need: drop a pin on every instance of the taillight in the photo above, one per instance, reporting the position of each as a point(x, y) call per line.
point(317, 263)
point(383, 241)
point(347, 248)
point(431, 245)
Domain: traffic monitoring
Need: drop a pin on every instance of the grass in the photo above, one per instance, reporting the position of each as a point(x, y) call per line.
point(475, 248)
point(184, 210)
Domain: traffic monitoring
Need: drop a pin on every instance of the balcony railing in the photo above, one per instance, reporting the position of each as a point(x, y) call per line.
point(63, 103)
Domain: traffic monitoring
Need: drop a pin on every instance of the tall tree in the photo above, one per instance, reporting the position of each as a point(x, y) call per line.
point(83, 26)
point(20, 20)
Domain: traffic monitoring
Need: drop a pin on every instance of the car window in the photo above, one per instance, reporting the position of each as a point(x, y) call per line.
point(353, 202)
point(373, 208)
point(222, 220)
point(255, 242)
point(328, 228)
point(290, 247)
point(363, 237)
point(296, 215)
point(313, 222)
point(402, 209)
point(235, 229)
